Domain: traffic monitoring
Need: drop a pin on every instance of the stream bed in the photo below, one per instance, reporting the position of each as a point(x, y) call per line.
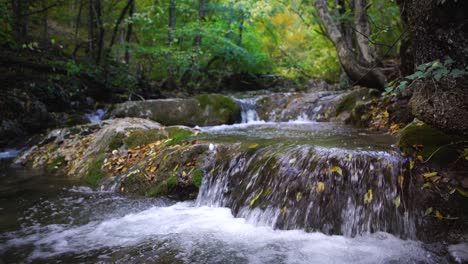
point(52, 219)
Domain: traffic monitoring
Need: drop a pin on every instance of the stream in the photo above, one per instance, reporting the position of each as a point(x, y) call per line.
point(48, 219)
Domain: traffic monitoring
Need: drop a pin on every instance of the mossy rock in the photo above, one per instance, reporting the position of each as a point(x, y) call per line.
point(143, 137)
point(203, 110)
point(417, 138)
point(95, 173)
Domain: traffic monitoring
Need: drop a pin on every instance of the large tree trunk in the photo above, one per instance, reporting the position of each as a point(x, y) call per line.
point(436, 31)
point(363, 32)
point(358, 72)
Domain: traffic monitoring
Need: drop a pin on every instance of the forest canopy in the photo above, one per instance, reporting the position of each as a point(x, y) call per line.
point(180, 43)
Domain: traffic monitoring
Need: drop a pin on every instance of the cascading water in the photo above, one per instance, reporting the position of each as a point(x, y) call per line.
point(248, 112)
point(96, 116)
point(313, 188)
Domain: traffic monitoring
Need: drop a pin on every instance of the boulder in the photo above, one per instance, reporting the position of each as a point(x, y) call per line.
point(203, 110)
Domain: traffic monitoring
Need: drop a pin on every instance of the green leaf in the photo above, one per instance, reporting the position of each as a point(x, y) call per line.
point(426, 185)
point(254, 146)
point(402, 86)
point(448, 61)
point(416, 75)
point(423, 67)
point(457, 73)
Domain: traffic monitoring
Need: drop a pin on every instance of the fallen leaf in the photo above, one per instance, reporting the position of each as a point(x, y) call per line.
point(320, 187)
point(298, 196)
point(426, 185)
point(420, 158)
point(411, 165)
point(428, 211)
point(254, 146)
point(397, 201)
point(430, 174)
point(439, 215)
point(337, 170)
point(368, 197)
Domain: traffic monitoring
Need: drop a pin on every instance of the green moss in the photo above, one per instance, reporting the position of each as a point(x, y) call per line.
point(347, 104)
point(56, 164)
point(158, 190)
point(429, 140)
point(95, 174)
point(197, 177)
point(171, 182)
point(179, 136)
point(116, 141)
point(143, 137)
point(223, 106)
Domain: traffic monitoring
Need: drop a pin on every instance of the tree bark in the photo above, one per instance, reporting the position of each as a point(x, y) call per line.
point(438, 30)
point(20, 7)
point(363, 32)
point(357, 71)
point(128, 37)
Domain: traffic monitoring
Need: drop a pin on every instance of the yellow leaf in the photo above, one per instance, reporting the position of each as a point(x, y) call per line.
point(283, 210)
point(439, 215)
point(320, 187)
point(253, 146)
point(184, 173)
point(368, 197)
point(397, 201)
point(462, 192)
point(428, 211)
point(386, 114)
point(153, 169)
point(337, 170)
point(430, 174)
point(401, 181)
point(254, 200)
point(298, 196)
point(122, 189)
point(411, 165)
point(426, 185)
point(420, 158)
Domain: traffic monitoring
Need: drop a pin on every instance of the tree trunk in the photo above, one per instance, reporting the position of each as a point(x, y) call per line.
point(128, 37)
point(20, 7)
point(357, 71)
point(172, 20)
point(363, 32)
point(438, 30)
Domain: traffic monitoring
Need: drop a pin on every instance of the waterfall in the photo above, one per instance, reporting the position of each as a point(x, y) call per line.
point(249, 113)
point(96, 116)
point(332, 190)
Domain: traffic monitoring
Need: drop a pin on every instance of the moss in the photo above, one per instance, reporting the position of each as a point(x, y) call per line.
point(95, 174)
point(429, 140)
point(158, 190)
point(179, 136)
point(143, 137)
point(56, 164)
point(171, 182)
point(197, 177)
point(116, 141)
point(347, 104)
point(223, 106)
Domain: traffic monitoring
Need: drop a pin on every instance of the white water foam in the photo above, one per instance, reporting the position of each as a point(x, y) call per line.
point(96, 117)
point(214, 231)
point(10, 153)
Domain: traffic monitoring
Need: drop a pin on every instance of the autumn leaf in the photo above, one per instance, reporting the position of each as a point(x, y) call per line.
point(368, 197)
point(254, 200)
point(254, 146)
point(439, 215)
point(320, 187)
point(411, 165)
point(420, 158)
point(428, 211)
point(337, 170)
point(426, 185)
point(430, 174)
point(397, 201)
point(298, 196)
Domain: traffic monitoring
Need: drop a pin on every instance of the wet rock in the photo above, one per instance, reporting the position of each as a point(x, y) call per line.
point(459, 252)
point(421, 139)
point(203, 110)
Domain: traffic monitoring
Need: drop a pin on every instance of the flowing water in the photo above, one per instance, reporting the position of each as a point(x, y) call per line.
point(280, 201)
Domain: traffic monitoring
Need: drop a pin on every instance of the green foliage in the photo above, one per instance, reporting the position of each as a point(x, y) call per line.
point(179, 136)
point(116, 141)
point(435, 70)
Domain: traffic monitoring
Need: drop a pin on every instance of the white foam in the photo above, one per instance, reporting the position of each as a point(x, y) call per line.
point(9, 153)
point(216, 231)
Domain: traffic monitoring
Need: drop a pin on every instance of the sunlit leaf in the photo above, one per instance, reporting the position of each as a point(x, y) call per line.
point(253, 146)
point(428, 211)
point(337, 170)
point(368, 197)
point(439, 215)
point(397, 201)
point(320, 187)
point(430, 174)
point(298, 196)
